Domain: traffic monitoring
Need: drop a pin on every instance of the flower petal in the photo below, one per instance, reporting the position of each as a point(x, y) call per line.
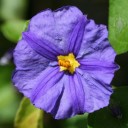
point(81, 94)
point(48, 89)
point(29, 65)
point(102, 70)
point(65, 25)
point(76, 37)
point(97, 65)
point(99, 92)
point(58, 97)
point(43, 25)
point(42, 46)
point(95, 44)
point(96, 56)
point(72, 99)
point(46, 83)
point(56, 26)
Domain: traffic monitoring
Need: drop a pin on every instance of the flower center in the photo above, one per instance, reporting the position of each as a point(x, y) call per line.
point(68, 63)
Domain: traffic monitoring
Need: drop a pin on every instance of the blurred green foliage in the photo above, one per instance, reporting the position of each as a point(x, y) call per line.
point(115, 115)
point(12, 29)
point(12, 9)
point(9, 99)
point(11, 26)
point(78, 121)
point(28, 116)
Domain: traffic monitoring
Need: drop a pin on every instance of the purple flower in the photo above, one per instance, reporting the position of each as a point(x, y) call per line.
point(64, 63)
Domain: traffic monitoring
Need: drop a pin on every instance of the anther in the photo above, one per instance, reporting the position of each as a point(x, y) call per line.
point(64, 63)
point(68, 63)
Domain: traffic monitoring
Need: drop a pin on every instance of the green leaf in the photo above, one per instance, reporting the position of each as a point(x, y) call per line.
point(28, 116)
point(12, 29)
point(115, 115)
point(118, 25)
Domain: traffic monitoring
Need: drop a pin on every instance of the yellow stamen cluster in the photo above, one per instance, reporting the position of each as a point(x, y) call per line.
point(68, 63)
